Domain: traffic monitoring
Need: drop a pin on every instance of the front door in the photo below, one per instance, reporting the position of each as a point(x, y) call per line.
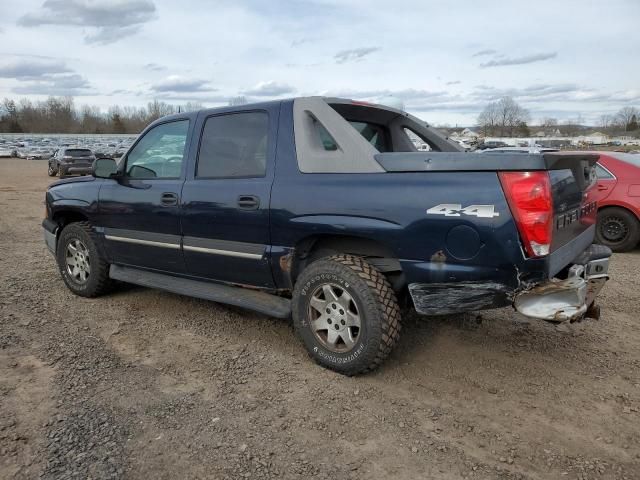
point(140, 213)
point(225, 213)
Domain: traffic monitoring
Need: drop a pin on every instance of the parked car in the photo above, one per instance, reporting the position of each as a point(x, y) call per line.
point(466, 145)
point(491, 144)
point(322, 209)
point(519, 150)
point(618, 197)
point(68, 161)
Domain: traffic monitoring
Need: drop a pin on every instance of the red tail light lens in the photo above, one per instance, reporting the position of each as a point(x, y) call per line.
point(529, 198)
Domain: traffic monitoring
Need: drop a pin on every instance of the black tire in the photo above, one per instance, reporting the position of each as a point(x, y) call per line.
point(52, 171)
point(618, 229)
point(373, 300)
point(97, 280)
point(61, 171)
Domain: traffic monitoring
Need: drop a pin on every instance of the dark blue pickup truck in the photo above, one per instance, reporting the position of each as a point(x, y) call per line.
point(322, 209)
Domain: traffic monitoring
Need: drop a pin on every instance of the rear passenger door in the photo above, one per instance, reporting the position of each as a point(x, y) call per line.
point(606, 183)
point(225, 199)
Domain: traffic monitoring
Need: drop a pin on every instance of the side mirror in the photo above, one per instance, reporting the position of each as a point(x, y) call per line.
point(104, 168)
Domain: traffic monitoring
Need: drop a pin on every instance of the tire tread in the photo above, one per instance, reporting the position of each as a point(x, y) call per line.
point(102, 283)
point(384, 302)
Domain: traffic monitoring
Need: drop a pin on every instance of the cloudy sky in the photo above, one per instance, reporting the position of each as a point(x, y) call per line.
point(445, 60)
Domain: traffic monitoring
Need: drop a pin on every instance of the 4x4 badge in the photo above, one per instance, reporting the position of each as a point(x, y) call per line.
point(456, 210)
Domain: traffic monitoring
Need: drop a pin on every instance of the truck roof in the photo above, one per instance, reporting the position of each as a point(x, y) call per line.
point(329, 100)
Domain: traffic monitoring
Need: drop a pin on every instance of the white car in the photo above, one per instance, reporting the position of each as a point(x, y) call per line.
point(464, 144)
point(519, 150)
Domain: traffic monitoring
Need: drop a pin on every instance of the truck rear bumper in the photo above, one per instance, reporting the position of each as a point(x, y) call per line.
point(560, 300)
point(84, 169)
point(555, 300)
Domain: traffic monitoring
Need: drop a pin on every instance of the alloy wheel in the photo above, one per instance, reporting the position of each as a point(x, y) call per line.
point(334, 317)
point(77, 261)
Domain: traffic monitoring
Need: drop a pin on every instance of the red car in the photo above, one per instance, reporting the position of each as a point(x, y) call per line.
point(618, 196)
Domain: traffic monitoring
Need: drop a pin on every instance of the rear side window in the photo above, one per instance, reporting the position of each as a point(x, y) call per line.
point(327, 141)
point(417, 140)
point(234, 145)
point(602, 173)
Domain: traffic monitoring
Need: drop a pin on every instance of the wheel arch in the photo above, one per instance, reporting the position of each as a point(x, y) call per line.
point(64, 217)
point(622, 206)
point(381, 256)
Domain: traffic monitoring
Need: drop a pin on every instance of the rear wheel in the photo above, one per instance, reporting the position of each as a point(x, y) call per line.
point(618, 229)
point(346, 313)
point(83, 269)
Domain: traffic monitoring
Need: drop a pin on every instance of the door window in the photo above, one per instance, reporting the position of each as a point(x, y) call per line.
point(234, 145)
point(160, 153)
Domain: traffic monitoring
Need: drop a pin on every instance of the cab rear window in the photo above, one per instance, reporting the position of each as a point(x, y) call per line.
point(376, 135)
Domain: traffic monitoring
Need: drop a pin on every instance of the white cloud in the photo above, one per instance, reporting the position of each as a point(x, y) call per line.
point(354, 54)
point(65, 84)
point(26, 68)
point(130, 49)
point(112, 19)
point(180, 84)
point(505, 61)
point(269, 89)
point(488, 51)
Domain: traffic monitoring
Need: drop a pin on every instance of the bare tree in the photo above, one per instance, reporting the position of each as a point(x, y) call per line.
point(158, 109)
point(59, 115)
point(625, 116)
point(503, 118)
point(488, 119)
point(549, 122)
point(605, 121)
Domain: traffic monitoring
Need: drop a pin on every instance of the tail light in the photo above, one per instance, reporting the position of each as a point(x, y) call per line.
point(529, 198)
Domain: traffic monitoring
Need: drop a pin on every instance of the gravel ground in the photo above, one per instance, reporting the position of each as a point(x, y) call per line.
point(145, 384)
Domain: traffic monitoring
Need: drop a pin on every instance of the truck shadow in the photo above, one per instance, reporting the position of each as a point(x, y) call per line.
point(490, 334)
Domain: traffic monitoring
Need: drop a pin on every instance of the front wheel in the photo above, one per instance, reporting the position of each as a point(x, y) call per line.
point(83, 269)
point(346, 313)
point(618, 229)
point(52, 171)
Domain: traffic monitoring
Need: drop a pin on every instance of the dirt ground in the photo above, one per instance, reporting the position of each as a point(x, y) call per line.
point(142, 384)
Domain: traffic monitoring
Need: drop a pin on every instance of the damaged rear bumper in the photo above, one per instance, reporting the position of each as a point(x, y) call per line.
point(569, 299)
